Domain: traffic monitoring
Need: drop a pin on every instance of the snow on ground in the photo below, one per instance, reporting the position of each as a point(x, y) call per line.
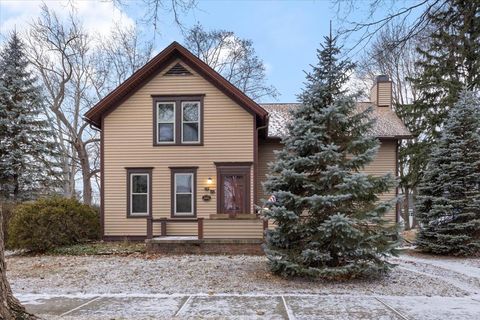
point(194, 274)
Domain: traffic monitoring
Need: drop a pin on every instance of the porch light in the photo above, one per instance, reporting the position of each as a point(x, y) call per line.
point(209, 183)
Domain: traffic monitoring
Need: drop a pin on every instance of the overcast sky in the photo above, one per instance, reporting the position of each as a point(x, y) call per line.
point(285, 33)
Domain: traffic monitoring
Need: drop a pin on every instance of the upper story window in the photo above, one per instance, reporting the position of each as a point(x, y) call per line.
point(178, 120)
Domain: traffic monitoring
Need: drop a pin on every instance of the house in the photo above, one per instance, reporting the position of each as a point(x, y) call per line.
point(184, 152)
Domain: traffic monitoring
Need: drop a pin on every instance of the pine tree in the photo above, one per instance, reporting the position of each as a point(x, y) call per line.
point(449, 194)
point(449, 62)
point(27, 154)
point(330, 222)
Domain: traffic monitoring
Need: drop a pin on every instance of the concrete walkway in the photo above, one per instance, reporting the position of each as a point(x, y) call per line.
point(226, 306)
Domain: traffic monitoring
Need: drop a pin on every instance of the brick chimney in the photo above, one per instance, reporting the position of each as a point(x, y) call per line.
point(381, 92)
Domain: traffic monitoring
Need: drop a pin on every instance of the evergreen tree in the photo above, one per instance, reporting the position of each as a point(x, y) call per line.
point(449, 194)
point(27, 154)
point(330, 222)
point(449, 62)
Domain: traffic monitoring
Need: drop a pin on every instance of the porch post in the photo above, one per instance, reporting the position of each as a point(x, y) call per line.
point(200, 228)
point(149, 228)
point(265, 226)
point(163, 227)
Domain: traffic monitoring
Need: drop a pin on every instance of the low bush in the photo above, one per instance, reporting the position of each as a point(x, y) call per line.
point(7, 211)
point(47, 223)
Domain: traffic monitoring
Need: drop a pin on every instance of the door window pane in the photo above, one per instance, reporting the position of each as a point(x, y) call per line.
point(233, 193)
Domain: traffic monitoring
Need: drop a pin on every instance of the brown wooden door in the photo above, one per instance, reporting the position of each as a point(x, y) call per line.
point(234, 190)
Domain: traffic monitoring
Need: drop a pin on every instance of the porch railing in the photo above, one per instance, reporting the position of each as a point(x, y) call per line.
point(163, 225)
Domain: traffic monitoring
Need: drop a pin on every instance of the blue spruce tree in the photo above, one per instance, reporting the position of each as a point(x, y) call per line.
point(448, 208)
point(330, 221)
point(28, 165)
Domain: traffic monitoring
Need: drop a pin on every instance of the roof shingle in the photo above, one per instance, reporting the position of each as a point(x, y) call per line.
point(387, 124)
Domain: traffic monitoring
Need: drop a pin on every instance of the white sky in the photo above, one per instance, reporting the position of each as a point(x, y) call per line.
point(97, 16)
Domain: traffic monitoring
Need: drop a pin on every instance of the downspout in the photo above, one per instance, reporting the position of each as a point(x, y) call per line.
point(267, 117)
point(255, 168)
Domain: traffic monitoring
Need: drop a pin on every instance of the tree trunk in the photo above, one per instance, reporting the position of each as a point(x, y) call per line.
point(406, 207)
point(10, 307)
point(86, 173)
point(414, 222)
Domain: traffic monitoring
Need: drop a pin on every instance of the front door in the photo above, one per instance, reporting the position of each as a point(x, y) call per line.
point(234, 190)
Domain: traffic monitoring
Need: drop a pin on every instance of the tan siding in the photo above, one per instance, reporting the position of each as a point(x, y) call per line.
point(385, 94)
point(265, 156)
point(384, 162)
point(233, 229)
point(373, 94)
point(182, 228)
point(128, 142)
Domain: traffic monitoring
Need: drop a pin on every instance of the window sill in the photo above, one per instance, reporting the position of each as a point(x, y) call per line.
point(240, 216)
point(138, 216)
point(177, 144)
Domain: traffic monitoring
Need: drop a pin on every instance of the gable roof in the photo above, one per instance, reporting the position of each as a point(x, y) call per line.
point(157, 64)
point(387, 124)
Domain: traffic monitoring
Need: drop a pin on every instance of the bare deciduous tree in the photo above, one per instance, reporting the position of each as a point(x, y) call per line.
point(155, 8)
point(77, 70)
point(234, 58)
point(411, 16)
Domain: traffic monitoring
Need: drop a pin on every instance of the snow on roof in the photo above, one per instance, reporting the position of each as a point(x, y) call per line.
point(388, 124)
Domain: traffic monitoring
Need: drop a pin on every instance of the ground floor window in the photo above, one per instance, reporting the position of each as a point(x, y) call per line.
point(139, 192)
point(183, 191)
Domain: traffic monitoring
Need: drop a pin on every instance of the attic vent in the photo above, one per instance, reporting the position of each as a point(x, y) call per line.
point(178, 70)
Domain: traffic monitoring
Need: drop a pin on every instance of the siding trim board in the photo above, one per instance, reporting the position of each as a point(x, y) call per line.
point(178, 129)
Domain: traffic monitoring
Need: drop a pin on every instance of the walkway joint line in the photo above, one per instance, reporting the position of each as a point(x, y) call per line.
point(398, 313)
point(80, 306)
point(179, 311)
point(290, 315)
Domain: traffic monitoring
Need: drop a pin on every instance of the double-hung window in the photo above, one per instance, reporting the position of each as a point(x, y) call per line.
point(166, 122)
point(191, 121)
point(178, 120)
point(183, 192)
point(139, 192)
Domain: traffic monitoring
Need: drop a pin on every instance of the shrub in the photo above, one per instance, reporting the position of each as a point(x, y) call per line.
point(7, 211)
point(51, 222)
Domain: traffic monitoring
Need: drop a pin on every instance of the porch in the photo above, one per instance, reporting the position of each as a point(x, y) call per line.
point(220, 234)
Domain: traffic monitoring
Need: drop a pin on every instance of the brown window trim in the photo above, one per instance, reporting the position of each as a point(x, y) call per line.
point(173, 171)
point(145, 170)
point(177, 99)
point(241, 168)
